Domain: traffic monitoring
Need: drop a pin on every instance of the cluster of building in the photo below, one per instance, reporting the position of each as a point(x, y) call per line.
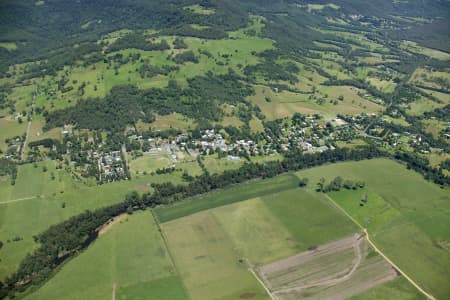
point(111, 167)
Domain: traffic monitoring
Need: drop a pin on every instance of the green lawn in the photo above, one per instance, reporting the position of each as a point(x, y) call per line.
point(131, 255)
point(408, 218)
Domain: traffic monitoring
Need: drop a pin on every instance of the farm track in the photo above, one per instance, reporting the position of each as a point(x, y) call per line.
point(271, 295)
point(19, 200)
point(113, 297)
point(429, 296)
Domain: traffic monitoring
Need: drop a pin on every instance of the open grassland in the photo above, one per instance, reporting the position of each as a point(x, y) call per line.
point(131, 256)
point(149, 162)
point(10, 128)
point(257, 234)
point(414, 47)
point(175, 121)
point(8, 46)
point(228, 195)
point(308, 216)
point(198, 9)
point(36, 201)
point(335, 270)
point(423, 105)
point(408, 218)
point(398, 288)
point(431, 78)
point(283, 104)
point(216, 165)
point(207, 261)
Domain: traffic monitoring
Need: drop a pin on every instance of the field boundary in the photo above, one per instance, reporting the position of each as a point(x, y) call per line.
point(272, 296)
point(163, 237)
point(429, 296)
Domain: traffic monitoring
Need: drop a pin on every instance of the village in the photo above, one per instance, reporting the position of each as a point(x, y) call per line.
point(107, 158)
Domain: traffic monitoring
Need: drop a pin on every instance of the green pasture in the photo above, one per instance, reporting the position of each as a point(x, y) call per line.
point(36, 201)
point(408, 218)
point(131, 255)
point(207, 261)
point(228, 195)
point(398, 288)
point(10, 128)
point(285, 103)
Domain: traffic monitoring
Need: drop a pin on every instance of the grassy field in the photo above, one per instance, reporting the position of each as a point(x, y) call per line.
point(9, 129)
point(36, 202)
point(257, 233)
point(285, 103)
point(216, 165)
point(228, 195)
point(149, 162)
point(414, 47)
point(207, 262)
point(398, 288)
point(308, 216)
point(131, 255)
point(408, 218)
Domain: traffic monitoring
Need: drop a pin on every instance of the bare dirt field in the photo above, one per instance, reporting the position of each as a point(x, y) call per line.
point(336, 270)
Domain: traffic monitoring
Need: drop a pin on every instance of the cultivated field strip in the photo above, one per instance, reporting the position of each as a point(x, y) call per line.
point(335, 270)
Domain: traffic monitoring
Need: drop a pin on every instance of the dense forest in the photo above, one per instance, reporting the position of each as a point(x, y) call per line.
point(126, 104)
point(38, 34)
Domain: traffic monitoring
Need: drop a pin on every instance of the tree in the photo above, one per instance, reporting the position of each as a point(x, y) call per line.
point(303, 182)
point(321, 185)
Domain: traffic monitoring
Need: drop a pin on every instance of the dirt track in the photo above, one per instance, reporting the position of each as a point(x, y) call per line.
point(113, 291)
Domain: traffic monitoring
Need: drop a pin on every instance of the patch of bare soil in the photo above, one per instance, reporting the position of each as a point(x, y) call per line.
point(247, 296)
point(321, 273)
point(303, 257)
point(105, 228)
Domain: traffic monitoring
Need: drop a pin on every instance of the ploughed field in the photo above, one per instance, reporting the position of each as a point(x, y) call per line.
point(268, 239)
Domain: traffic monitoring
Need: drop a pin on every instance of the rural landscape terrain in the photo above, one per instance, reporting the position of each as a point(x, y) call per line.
point(224, 149)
